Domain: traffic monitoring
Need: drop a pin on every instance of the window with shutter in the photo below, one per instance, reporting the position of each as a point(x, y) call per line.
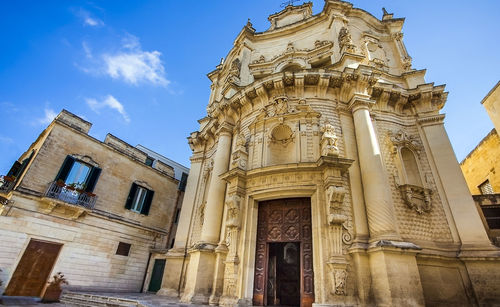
point(78, 174)
point(139, 199)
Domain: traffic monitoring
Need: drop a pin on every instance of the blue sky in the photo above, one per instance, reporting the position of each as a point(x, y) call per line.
point(137, 69)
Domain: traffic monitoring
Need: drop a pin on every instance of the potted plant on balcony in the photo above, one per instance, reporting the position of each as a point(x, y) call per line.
point(54, 289)
point(60, 183)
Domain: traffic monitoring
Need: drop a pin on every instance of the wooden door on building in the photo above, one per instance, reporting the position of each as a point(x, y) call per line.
point(283, 260)
point(157, 275)
point(32, 272)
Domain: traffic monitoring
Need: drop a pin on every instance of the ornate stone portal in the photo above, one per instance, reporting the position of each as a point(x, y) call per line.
point(327, 111)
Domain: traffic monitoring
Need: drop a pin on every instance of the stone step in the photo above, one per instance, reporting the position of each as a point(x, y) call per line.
point(92, 300)
point(19, 300)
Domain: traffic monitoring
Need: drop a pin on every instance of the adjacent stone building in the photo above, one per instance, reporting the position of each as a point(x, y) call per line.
point(481, 169)
point(93, 210)
point(323, 175)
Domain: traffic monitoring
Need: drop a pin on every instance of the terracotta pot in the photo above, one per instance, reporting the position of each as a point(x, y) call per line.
point(52, 294)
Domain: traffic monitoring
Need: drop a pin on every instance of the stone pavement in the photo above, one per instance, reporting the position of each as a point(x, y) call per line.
point(94, 299)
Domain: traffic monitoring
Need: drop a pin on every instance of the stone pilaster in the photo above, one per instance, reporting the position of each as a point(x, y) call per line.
point(203, 259)
point(466, 218)
point(378, 199)
point(176, 257)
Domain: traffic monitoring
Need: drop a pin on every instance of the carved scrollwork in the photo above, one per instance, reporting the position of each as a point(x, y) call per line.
point(402, 139)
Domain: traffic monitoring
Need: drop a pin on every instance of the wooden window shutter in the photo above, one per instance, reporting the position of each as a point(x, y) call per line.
point(92, 180)
point(65, 168)
point(131, 194)
point(147, 202)
point(15, 169)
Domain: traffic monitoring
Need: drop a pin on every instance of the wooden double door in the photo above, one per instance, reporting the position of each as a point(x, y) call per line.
point(283, 260)
point(32, 272)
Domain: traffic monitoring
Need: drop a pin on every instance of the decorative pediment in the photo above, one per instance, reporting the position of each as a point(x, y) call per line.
point(401, 139)
point(290, 14)
point(292, 57)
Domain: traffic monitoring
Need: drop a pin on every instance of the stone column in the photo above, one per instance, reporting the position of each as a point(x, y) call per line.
point(376, 188)
point(210, 231)
point(202, 257)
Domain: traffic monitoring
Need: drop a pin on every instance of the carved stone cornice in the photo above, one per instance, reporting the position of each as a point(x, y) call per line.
point(431, 120)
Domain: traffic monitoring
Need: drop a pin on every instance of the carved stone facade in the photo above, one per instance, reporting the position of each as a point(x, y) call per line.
point(327, 111)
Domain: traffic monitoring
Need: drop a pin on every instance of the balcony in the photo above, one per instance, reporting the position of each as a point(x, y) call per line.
point(71, 195)
point(7, 184)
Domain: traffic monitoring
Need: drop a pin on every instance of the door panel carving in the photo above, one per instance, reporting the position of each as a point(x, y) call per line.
point(284, 220)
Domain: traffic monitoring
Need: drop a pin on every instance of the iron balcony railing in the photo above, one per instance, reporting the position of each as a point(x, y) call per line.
point(71, 195)
point(7, 184)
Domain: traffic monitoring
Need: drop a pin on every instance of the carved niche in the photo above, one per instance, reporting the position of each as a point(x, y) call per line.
point(414, 191)
point(376, 53)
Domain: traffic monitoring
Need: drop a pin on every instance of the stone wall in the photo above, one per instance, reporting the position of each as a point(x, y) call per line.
point(483, 163)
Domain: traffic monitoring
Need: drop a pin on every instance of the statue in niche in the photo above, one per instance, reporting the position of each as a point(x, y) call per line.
point(329, 140)
point(345, 40)
point(234, 71)
point(241, 142)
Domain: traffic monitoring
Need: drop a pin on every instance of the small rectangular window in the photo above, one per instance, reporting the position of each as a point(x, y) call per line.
point(149, 161)
point(486, 187)
point(123, 249)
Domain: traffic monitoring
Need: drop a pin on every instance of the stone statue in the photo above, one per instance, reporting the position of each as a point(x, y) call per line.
point(329, 139)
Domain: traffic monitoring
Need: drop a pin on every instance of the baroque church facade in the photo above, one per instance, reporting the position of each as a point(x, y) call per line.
point(323, 175)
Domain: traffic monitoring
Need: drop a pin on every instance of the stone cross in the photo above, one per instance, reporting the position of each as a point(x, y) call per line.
point(289, 2)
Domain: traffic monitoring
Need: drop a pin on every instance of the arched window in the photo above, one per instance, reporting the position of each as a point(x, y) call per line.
point(410, 167)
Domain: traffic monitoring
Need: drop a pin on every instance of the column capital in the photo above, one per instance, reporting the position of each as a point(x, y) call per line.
point(225, 129)
point(360, 101)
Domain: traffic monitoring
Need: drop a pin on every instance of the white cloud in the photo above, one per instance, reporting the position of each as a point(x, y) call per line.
point(6, 140)
point(110, 102)
point(87, 50)
point(136, 67)
point(49, 117)
point(129, 63)
point(133, 65)
point(89, 20)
